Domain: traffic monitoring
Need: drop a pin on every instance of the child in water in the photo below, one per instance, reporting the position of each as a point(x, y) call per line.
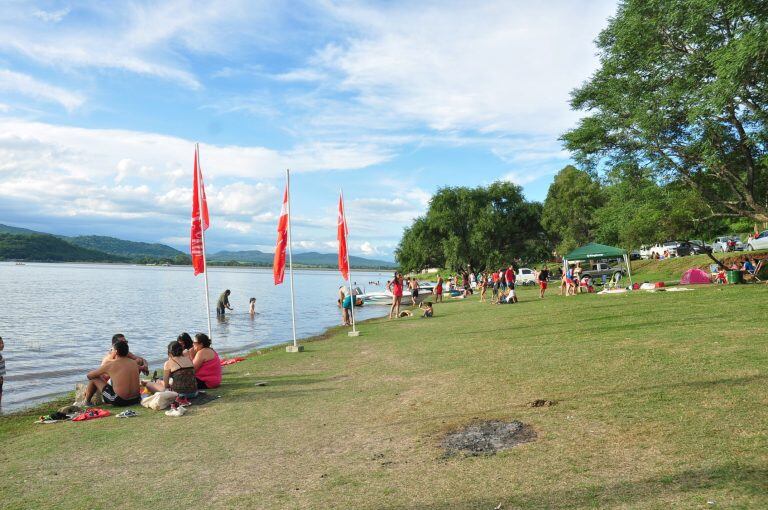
point(252, 306)
point(428, 311)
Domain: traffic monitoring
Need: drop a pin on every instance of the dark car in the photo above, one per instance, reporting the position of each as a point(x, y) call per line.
point(695, 247)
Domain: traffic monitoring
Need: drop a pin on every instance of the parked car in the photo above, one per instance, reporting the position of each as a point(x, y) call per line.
point(727, 243)
point(599, 269)
point(669, 249)
point(695, 247)
point(634, 255)
point(525, 276)
point(645, 252)
point(759, 242)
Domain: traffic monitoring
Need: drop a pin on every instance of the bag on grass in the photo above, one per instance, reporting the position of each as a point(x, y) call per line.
point(160, 400)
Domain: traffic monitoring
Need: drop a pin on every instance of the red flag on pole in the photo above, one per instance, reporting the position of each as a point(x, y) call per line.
point(200, 219)
point(341, 235)
point(278, 265)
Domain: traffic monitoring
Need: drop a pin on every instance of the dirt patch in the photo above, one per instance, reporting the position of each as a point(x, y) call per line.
point(488, 437)
point(541, 403)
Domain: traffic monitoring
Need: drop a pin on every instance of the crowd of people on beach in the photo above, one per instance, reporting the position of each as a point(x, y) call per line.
point(192, 365)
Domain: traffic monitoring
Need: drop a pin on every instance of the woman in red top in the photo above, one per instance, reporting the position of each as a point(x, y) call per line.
point(396, 288)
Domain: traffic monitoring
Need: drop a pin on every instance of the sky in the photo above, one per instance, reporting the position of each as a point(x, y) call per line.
point(101, 104)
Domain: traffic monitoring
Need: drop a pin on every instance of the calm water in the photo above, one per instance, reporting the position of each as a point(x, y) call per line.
point(57, 320)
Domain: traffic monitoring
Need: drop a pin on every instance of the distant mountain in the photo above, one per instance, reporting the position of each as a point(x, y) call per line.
point(122, 248)
point(308, 259)
point(7, 229)
point(48, 248)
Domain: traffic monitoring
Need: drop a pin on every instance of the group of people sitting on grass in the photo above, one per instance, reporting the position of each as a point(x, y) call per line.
point(192, 365)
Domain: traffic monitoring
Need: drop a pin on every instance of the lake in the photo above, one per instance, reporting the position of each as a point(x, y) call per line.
point(57, 320)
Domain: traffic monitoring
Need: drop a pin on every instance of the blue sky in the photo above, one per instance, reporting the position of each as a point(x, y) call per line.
point(101, 103)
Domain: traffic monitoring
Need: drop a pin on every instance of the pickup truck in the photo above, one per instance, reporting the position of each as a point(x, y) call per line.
point(600, 269)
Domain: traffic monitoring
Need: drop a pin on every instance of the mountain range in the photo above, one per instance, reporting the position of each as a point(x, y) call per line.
point(18, 243)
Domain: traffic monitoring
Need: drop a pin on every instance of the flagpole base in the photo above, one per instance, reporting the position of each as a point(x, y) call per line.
point(353, 333)
point(294, 348)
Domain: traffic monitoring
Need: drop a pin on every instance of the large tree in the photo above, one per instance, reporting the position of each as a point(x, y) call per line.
point(681, 90)
point(482, 227)
point(568, 214)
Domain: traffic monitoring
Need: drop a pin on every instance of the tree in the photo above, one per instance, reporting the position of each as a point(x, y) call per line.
point(568, 214)
point(681, 90)
point(481, 227)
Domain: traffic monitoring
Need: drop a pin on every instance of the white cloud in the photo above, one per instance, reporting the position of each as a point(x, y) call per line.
point(18, 83)
point(490, 67)
point(51, 16)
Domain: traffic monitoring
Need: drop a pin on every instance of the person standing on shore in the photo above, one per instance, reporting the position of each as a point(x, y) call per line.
point(542, 277)
point(396, 288)
point(414, 286)
point(223, 303)
point(2, 370)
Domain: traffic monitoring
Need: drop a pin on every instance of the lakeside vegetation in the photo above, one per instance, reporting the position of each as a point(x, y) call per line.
point(659, 403)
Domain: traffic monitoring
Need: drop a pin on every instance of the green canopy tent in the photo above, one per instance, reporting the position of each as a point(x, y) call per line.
point(593, 251)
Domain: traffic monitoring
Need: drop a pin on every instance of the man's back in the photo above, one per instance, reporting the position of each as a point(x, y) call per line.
point(124, 373)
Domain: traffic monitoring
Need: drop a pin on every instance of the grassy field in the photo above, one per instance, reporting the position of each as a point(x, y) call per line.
point(661, 403)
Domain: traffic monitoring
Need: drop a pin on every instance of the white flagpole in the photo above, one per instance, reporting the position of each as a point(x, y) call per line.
point(202, 237)
point(290, 261)
point(354, 331)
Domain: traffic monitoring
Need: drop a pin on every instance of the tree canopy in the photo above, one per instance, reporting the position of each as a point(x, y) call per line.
point(568, 214)
point(681, 91)
point(482, 227)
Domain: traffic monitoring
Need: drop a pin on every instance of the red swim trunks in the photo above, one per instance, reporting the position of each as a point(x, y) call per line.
point(543, 285)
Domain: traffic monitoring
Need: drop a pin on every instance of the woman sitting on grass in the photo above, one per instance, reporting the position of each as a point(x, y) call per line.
point(178, 374)
point(206, 362)
point(186, 343)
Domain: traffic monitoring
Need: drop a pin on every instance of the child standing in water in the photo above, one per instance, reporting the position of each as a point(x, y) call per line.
point(252, 306)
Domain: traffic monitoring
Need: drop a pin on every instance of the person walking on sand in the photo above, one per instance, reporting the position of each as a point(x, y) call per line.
point(396, 288)
point(223, 303)
point(542, 277)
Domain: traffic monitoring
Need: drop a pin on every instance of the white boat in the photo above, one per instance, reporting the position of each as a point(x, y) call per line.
point(384, 297)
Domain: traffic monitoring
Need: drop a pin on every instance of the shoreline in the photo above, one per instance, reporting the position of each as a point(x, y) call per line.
point(62, 399)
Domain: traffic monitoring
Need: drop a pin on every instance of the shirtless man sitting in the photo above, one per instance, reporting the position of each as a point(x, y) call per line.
point(123, 388)
point(142, 363)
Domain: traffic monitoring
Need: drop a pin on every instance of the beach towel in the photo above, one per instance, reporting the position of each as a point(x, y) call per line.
point(231, 361)
point(92, 414)
point(160, 400)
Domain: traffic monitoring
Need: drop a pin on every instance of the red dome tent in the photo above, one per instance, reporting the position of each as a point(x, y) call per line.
point(695, 275)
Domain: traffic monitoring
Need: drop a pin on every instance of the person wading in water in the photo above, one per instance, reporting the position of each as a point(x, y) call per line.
point(223, 303)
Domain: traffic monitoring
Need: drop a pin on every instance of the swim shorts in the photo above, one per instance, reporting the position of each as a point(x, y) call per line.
point(543, 284)
point(415, 293)
point(110, 397)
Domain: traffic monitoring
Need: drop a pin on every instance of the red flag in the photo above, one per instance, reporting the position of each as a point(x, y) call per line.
point(199, 215)
point(341, 235)
point(278, 265)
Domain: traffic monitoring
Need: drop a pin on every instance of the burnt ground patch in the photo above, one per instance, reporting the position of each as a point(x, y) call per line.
point(487, 437)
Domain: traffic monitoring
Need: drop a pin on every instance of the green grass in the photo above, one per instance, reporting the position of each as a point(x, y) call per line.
point(661, 404)
point(673, 269)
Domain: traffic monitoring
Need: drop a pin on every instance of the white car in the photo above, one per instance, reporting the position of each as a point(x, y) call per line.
point(659, 250)
point(525, 276)
point(645, 252)
point(759, 242)
point(721, 244)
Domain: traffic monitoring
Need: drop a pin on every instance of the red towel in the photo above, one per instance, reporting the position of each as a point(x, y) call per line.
point(231, 361)
point(91, 414)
